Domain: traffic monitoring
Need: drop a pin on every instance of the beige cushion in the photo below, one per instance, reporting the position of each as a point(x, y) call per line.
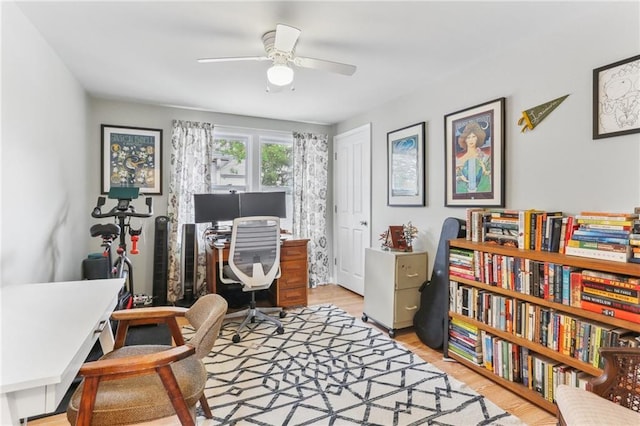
point(582, 408)
point(135, 399)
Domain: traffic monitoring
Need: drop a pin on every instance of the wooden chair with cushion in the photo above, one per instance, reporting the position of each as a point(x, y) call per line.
point(133, 384)
point(614, 397)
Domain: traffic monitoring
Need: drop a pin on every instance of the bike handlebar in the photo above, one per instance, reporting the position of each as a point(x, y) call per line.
point(122, 210)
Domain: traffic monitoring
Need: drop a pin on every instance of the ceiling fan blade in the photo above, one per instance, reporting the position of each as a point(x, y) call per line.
point(233, 59)
point(286, 38)
point(321, 64)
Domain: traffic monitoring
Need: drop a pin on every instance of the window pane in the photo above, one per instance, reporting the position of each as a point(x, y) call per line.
point(275, 168)
point(276, 174)
point(229, 164)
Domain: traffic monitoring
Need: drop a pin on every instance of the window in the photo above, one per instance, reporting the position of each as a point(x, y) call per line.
point(249, 160)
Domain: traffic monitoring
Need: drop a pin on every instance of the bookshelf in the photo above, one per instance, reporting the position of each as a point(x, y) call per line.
point(515, 336)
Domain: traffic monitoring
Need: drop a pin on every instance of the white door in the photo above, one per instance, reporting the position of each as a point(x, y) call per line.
point(352, 209)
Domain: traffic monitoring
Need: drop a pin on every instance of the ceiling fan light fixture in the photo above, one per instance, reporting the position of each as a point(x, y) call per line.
point(280, 75)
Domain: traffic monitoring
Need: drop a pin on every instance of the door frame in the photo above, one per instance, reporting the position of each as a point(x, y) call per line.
point(365, 128)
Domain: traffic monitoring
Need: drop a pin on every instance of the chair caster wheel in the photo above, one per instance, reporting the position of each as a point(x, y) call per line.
point(392, 333)
point(280, 330)
point(365, 318)
point(253, 320)
point(236, 338)
point(283, 314)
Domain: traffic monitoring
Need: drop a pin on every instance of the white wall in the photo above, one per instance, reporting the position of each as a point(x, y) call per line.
point(50, 159)
point(138, 115)
point(44, 153)
point(557, 166)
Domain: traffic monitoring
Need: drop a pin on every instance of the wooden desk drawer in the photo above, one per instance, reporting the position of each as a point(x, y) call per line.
point(293, 296)
point(294, 252)
point(293, 281)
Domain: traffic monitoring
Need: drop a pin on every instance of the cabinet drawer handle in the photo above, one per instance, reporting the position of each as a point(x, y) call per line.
point(411, 308)
point(101, 325)
point(412, 275)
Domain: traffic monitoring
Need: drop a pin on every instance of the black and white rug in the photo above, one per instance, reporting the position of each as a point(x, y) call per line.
point(329, 368)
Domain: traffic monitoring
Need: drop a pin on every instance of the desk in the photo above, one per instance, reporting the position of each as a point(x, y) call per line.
point(48, 331)
point(288, 290)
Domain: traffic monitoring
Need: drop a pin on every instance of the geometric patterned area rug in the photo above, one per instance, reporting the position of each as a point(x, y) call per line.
point(328, 368)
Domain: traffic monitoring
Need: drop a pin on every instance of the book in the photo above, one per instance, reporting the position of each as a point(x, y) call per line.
point(623, 248)
point(599, 238)
point(575, 283)
point(607, 215)
point(611, 303)
point(555, 233)
point(610, 312)
point(597, 254)
point(632, 283)
point(547, 228)
point(604, 222)
point(566, 284)
point(613, 292)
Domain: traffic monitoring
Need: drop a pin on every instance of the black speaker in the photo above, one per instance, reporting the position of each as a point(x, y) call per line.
point(188, 262)
point(96, 268)
point(429, 321)
point(161, 261)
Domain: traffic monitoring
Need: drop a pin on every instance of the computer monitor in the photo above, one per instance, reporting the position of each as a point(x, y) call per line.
point(215, 207)
point(263, 204)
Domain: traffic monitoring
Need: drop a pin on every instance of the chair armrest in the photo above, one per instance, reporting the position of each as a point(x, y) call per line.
point(620, 365)
point(149, 313)
point(136, 364)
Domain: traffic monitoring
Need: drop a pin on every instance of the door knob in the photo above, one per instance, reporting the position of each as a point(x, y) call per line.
point(363, 223)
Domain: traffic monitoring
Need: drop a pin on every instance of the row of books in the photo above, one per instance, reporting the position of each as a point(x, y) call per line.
point(609, 294)
point(600, 235)
point(566, 334)
point(550, 281)
point(464, 341)
point(514, 362)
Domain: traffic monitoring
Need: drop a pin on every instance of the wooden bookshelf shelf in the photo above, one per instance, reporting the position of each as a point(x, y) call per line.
point(516, 388)
point(504, 335)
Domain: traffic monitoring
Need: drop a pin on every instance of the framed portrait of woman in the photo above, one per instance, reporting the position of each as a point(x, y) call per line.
point(474, 156)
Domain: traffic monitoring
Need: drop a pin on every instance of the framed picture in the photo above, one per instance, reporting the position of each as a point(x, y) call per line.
point(616, 98)
point(131, 156)
point(405, 163)
point(397, 238)
point(474, 156)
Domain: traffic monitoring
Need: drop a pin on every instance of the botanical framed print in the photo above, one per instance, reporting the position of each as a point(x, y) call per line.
point(616, 98)
point(474, 156)
point(405, 163)
point(131, 156)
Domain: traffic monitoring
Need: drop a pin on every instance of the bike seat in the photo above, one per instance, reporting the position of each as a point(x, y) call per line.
point(109, 230)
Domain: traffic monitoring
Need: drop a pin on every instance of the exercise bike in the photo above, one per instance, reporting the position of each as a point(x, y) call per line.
point(123, 211)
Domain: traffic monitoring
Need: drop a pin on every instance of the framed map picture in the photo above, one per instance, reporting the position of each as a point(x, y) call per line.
point(131, 156)
point(474, 156)
point(405, 161)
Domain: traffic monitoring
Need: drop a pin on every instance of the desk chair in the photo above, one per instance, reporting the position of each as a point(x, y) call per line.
point(254, 262)
point(139, 383)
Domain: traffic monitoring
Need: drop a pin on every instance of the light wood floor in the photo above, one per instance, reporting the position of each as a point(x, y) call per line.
point(353, 304)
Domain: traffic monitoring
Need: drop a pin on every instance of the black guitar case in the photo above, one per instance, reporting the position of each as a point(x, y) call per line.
point(434, 298)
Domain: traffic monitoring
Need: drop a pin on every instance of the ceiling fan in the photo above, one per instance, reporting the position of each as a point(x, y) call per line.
point(279, 46)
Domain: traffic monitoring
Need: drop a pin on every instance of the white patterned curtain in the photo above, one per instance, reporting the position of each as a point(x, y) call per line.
point(190, 169)
point(311, 159)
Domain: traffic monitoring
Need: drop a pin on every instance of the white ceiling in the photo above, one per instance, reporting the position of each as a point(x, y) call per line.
point(146, 51)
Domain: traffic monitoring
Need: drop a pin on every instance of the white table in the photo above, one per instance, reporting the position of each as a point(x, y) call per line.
point(46, 332)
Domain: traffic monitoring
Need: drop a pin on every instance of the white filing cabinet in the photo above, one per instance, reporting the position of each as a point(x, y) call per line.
point(391, 287)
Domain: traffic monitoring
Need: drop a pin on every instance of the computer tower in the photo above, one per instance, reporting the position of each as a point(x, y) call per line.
point(161, 260)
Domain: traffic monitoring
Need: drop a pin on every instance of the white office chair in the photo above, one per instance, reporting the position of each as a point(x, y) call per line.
point(254, 262)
